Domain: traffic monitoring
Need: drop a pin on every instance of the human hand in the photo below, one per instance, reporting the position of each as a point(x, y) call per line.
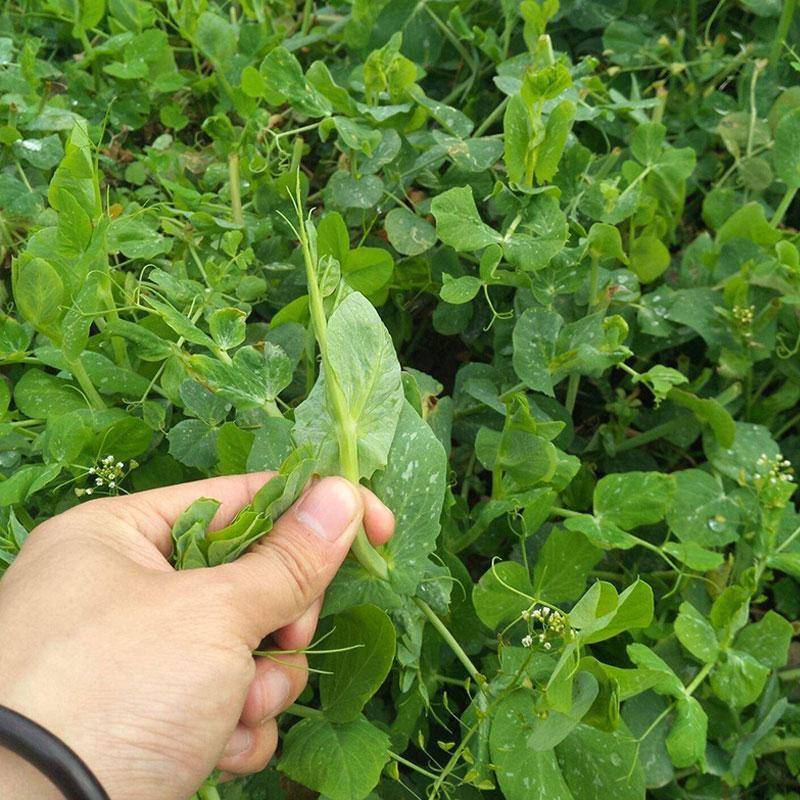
point(148, 673)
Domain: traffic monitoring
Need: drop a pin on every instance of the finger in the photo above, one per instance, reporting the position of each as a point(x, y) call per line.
point(378, 519)
point(278, 682)
point(154, 511)
point(299, 635)
point(249, 749)
point(275, 582)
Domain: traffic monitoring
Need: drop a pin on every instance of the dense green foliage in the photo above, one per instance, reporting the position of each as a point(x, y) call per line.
point(527, 271)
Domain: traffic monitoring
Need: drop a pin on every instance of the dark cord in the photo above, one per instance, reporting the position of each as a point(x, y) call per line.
point(40, 748)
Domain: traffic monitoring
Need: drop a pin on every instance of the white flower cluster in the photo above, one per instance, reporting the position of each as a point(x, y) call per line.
point(107, 474)
point(773, 470)
point(553, 624)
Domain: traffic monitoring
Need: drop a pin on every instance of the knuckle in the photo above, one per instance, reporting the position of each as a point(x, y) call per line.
point(298, 568)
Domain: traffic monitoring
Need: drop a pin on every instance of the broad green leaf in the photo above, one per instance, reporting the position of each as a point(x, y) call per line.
point(458, 222)
point(39, 293)
point(459, 290)
point(739, 461)
point(700, 513)
point(649, 258)
point(786, 149)
point(26, 481)
point(502, 594)
point(271, 445)
point(557, 725)
point(600, 532)
point(596, 764)
point(767, 640)
point(368, 269)
point(343, 762)
point(412, 485)
point(408, 233)
point(39, 395)
point(738, 679)
point(708, 411)
point(631, 499)
point(696, 634)
point(227, 327)
point(352, 676)
point(362, 358)
point(556, 131)
point(563, 565)
point(686, 742)
point(252, 379)
point(522, 772)
point(602, 613)
point(535, 336)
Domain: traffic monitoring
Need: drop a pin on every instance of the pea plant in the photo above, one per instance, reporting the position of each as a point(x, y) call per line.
point(528, 270)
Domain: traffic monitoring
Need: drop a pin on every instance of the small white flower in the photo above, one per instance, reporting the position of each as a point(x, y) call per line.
point(527, 641)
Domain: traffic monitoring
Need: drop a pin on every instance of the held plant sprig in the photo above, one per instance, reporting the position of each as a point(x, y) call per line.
point(346, 431)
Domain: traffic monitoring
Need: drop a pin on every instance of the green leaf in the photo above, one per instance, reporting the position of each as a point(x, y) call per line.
point(535, 335)
point(738, 460)
point(408, 233)
point(39, 293)
point(252, 379)
point(216, 38)
point(502, 594)
point(767, 640)
point(602, 613)
point(39, 395)
point(786, 149)
point(696, 634)
point(522, 772)
point(700, 512)
point(227, 327)
point(343, 762)
point(631, 499)
point(649, 258)
point(686, 742)
point(738, 679)
point(563, 565)
point(352, 676)
point(412, 485)
point(368, 269)
point(458, 223)
point(708, 411)
point(459, 290)
point(600, 532)
point(596, 764)
point(27, 481)
point(558, 126)
point(361, 356)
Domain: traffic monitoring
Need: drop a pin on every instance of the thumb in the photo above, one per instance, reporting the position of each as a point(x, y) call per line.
point(283, 574)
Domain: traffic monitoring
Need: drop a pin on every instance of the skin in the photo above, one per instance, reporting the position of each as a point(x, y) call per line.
point(148, 673)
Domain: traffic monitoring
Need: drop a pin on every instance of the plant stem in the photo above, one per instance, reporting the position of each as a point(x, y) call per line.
point(304, 711)
point(657, 432)
point(235, 189)
point(489, 121)
point(783, 206)
point(366, 554)
point(784, 24)
point(448, 637)
point(85, 382)
point(208, 793)
point(699, 678)
point(790, 674)
point(781, 745)
point(572, 392)
point(411, 765)
point(308, 13)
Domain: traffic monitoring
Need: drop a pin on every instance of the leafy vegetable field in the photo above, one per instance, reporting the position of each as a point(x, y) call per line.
point(528, 271)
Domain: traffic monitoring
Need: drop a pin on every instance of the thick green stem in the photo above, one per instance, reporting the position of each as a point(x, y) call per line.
point(572, 392)
point(235, 189)
point(366, 554)
point(699, 678)
point(784, 24)
point(448, 637)
point(783, 206)
point(208, 793)
point(85, 382)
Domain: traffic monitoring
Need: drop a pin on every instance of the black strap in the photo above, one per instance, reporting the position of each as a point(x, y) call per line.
point(40, 748)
